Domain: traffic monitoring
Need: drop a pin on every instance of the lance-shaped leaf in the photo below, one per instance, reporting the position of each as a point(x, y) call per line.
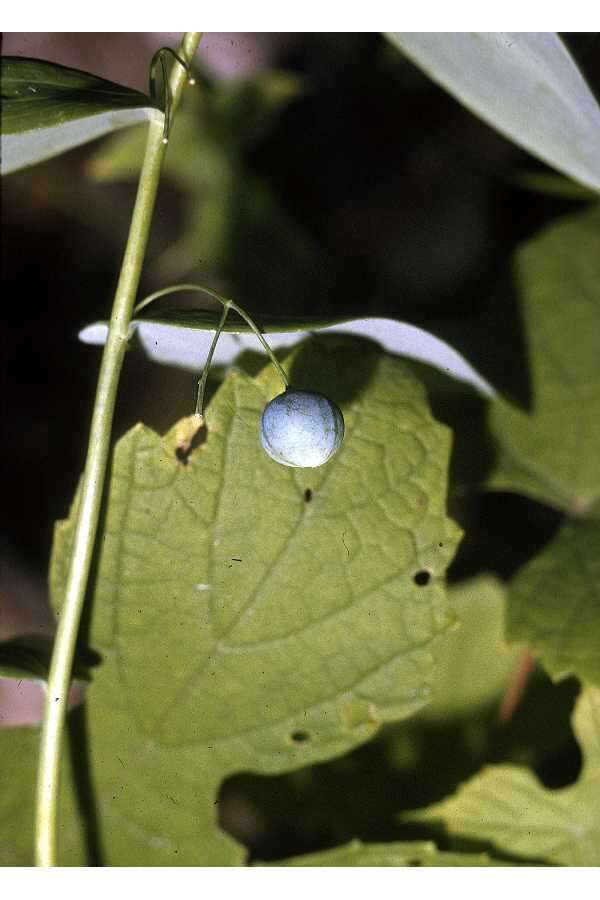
point(29, 657)
point(554, 602)
point(524, 84)
point(48, 109)
point(421, 853)
point(551, 453)
point(508, 807)
point(181, 338)
point(256, 617)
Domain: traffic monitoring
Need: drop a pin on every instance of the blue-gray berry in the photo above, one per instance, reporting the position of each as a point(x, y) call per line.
point(301, 428)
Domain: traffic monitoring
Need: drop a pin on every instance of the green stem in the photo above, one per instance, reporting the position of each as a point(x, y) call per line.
point(92, 483)
point(202, 382)
point(163, 292)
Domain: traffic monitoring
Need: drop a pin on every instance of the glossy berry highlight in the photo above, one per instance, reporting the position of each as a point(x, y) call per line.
point(303, 429)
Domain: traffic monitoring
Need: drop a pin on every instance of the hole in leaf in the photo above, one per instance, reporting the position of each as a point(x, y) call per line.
point(299, 737)
point(184, 449)
point(422, 577)
point(308, 495)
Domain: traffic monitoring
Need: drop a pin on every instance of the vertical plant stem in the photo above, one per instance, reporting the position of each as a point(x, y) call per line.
point(92, 484)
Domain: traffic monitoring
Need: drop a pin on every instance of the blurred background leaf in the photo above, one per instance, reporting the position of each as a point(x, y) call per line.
point(525, 84)
point(507, 807)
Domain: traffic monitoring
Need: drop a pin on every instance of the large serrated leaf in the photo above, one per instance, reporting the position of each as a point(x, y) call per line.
point(422, 853)
point(551, 454)
point(48, 109)
point(525, 84)
point(246, 624)
point(508, 807)
point(554, 602)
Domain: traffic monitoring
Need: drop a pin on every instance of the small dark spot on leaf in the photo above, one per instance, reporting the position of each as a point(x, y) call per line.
point(440, 544)
point(422, 577)
point(414, 862)
point(308, 495)
point(235, 559)
point(299, 737)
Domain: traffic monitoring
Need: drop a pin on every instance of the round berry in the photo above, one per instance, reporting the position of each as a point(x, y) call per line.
point(301, 429)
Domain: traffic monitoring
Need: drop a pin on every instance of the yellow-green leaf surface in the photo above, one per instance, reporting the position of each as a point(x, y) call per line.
point(422, 853)
point(19, 749)
point(48, 109)
point(551, 453)
point(473, 661)
point(509, 808)
point(554, 602)
point(253, 617)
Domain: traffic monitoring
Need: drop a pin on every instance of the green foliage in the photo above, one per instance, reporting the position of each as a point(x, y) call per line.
point(29, 658)
point(507, 807)
point(287, 633)
point(221, 590)
point(18, 755)
point(48, 109)
point(551, 453)
point(525, 84)
point(555, 602)
point(224, 201)
point(423, 853)
point(206, 319)
point(473, 662)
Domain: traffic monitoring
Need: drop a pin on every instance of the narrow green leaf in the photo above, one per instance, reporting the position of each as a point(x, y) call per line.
point(206, 319)
point(29, 658)
point(508, 807)
point(179, 338)
point(551, 454)
point(422, 853)
point(256, 617)
point(48, 109)
point(525, 84)
point(554, 602)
